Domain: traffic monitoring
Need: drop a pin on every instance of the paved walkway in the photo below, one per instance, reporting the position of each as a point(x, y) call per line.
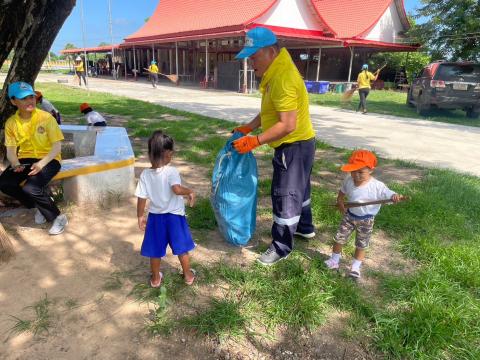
point(428, 143)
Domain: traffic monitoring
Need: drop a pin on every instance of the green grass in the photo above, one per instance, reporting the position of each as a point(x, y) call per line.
point(393, 103)
point(40, 323)
point(429, 313)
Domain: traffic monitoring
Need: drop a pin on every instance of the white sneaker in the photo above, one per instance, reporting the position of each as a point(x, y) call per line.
point(59, 224)
point(331, 264)
point(39, 218)
point(305, 236)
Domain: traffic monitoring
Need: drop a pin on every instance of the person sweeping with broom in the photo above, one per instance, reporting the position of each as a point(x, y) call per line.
point(364, 80)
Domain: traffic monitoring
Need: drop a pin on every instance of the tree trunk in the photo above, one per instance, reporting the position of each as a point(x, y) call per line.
point(28, 27)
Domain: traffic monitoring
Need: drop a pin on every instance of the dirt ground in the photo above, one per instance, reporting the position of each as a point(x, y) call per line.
point(86, 275)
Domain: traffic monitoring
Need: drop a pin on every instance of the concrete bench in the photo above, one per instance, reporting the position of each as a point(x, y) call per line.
point(103, 165)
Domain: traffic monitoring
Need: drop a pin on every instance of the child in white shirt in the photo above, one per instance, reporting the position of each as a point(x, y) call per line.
point(93, 117)
point(359, 187)
point(47, 106)
point(166, 223)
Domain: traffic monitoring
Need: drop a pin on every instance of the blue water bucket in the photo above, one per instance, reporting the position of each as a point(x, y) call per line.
point(323, 86)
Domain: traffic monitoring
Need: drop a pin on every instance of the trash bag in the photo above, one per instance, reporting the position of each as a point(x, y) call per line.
point(234, 193)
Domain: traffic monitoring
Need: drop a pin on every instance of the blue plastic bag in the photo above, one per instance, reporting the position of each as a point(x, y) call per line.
point(234, 193)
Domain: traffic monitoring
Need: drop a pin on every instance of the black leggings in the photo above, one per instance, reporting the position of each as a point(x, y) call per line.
point(34, 193)
point(363, 99)
point(81, 75)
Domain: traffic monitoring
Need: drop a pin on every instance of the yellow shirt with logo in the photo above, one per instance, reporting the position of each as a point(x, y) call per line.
point(153, 68)
point(364, 79)
point(34, 137)
point(283, 90)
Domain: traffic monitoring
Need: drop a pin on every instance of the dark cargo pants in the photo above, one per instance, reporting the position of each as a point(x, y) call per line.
point(292, 167)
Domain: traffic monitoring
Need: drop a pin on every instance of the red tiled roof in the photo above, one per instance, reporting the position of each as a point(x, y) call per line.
point(106, 48)
point(356, 16)
point(174, 18)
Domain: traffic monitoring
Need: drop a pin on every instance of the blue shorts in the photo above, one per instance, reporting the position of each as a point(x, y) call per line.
point(163, 230)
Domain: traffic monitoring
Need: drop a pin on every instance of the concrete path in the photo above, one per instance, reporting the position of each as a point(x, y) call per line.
point(428, 143)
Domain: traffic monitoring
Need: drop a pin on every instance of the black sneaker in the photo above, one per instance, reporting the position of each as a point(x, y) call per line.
point(270, 257)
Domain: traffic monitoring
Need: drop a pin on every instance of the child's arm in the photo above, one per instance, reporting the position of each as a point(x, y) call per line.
point(341, 201)
point(182, 190)
point(142, 221)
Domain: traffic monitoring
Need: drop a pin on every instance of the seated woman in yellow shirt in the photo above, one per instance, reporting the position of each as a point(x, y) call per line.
point(33, 141)
point(364, 79)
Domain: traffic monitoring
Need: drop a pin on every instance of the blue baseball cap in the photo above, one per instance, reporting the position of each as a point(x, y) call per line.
point(20, 90)
point(365, 67)
point(256, 39)
point(153, 62)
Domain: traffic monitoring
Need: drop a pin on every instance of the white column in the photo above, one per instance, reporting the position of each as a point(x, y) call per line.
point(351, 62)
point(184, 68)
point(176, 58)
point(245, 76)
point(319, 60)
point(170, 56)
point(153, 52)
point(206, 60)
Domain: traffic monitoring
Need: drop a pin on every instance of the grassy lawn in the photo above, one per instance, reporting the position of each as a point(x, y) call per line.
point(390, 102)
point(429, 312)
point(393, 103)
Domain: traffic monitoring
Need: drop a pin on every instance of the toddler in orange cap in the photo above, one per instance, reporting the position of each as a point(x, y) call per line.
point(358, 186)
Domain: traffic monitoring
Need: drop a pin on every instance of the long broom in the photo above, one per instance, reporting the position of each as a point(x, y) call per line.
point(6, 246)
point(173, 78)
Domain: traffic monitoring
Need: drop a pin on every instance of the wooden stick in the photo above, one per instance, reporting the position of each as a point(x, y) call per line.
point(349, 205)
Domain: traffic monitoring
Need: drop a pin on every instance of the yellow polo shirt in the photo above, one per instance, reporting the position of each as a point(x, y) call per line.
point(79, 67)
point(153, 68)
point(364, 79)
point(283, 90)
point(34, 137)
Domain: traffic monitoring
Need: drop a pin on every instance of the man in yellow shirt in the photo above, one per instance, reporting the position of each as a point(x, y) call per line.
point(33, 141)
point(364, 79)
point(285, 120)
point(153, 70)
point(80, 71)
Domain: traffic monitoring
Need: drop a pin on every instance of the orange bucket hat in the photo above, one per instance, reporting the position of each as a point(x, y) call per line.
point(360, 159)
point(84, 107)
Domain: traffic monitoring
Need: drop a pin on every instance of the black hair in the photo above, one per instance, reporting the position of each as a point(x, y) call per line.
point(87, 110)
point(158, 143)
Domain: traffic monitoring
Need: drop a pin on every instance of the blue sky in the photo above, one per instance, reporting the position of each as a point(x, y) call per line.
point(127, 17)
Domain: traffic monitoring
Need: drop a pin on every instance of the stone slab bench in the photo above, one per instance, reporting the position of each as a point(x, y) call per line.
point(103, 166)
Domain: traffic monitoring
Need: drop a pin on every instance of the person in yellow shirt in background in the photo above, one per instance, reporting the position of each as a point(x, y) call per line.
point(80, 71)
point(153, 70)
point(364, 80)
point(33, 141)
point(285, 120)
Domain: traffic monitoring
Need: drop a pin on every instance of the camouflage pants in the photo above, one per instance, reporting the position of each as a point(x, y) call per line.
point(363, 228)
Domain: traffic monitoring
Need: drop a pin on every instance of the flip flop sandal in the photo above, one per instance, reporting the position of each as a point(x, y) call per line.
point(189, 283)
point(159, 283)
point(355, 275)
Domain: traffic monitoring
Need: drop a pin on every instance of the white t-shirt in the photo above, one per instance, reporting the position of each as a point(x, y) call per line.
point(371, 191)
point(47, 106)
point(94, 117)
point(156, 186)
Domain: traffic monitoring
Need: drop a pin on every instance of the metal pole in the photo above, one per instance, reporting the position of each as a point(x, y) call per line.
point(319, 60)
point(351, 62)
point(84, 45)
point(176, 57)
point(134, 63)
point(111, 30)
point(153, 52)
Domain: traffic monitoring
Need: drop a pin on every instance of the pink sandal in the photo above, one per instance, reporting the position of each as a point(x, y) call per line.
point(159, 283)
point(189, 283)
